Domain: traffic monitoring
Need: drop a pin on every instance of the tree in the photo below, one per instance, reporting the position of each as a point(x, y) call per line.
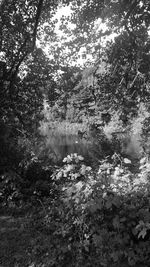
point(19, 24)
point(21, 85)
point(127, 82)
point(66, 82)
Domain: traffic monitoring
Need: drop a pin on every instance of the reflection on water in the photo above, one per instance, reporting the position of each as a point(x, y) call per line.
point(63, 139)
point(61, 145)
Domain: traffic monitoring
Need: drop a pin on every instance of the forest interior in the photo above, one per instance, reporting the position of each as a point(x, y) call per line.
point(74, 133)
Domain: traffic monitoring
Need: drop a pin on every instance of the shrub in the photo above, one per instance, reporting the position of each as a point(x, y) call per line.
point(30, 181)
point(101, 218)
point(10, 189)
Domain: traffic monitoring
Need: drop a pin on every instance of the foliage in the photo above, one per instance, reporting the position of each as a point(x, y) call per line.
point(124, 85)
point(22, 79)
point(95, 211)
point(27, 178)
point(99, 218)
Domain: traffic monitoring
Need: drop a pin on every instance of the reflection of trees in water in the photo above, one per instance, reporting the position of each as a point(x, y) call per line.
point(62, 145)
point(93, 144)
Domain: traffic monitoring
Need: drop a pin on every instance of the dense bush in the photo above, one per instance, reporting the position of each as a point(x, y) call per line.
point(91, 217)
point(30, 181)
point(101, 217)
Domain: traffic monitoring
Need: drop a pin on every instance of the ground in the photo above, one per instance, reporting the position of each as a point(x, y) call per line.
point(15, 241)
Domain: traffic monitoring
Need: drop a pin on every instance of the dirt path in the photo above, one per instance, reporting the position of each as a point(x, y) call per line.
point(15, 242)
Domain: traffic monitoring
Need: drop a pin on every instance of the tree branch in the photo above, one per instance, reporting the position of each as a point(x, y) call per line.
point(137, 74)
point(17, 56)
point(37, 18)
point(121, 81)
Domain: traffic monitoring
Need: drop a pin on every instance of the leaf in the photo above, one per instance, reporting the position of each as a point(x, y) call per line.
point(148, 167)
point(115, 256)
point(116, 222)
point(97, 239)
point(75, 175)
point(93, 208)
point(143, 160)
point(83, 170)
point(80, 158)
point(79, 185)
point(127, 161)
point(59, 175)
point(142, 166)
point(116, 201)
point(142, 233)
point(86, 245)
point(123, 219)
point(109, 204)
